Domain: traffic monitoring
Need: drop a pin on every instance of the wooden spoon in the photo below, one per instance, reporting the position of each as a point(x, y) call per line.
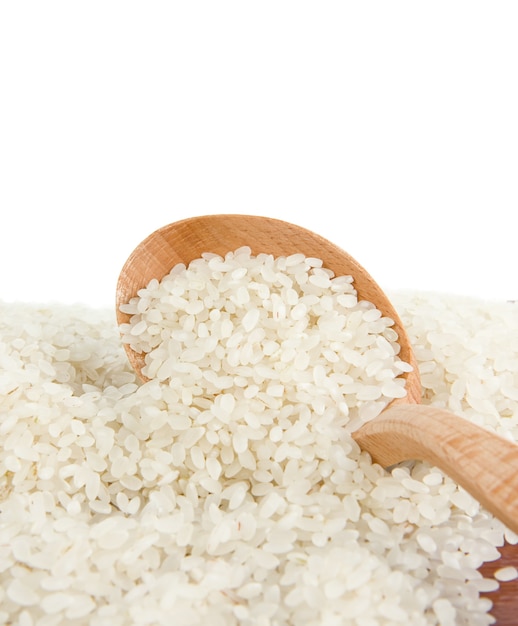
point(485, 464)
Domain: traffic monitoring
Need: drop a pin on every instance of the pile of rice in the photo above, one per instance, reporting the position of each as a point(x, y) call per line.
point(227, 490)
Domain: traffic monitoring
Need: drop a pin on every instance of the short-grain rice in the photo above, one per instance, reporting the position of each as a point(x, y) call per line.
point(215, 497)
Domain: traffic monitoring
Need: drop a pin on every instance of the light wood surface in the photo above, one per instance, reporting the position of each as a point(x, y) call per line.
point(482, 462)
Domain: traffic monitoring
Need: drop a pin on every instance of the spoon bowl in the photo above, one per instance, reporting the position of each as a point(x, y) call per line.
point(183, 241)
point(484, 463)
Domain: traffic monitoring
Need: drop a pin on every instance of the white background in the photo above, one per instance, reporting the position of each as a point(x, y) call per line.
point(389, 127)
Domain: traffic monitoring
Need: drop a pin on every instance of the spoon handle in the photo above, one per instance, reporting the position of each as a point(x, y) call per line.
point(483, 463)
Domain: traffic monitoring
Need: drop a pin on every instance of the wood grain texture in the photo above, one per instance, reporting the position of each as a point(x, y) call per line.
point(505, 599)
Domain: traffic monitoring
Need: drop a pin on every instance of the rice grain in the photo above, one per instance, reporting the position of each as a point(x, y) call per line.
point(129, 503)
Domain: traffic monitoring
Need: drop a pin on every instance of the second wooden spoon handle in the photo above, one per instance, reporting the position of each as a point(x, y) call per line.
point(483, 463)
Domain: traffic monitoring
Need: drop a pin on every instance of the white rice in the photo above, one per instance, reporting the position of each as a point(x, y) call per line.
point(506, 574)
point(253, 336)
point(127, 503)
